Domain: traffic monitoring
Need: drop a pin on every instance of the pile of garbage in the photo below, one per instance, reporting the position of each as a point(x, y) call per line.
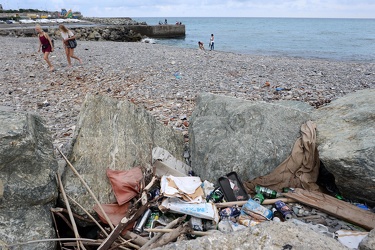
point(172, 204)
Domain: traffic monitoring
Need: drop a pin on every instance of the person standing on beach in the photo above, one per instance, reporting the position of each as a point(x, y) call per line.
point(212, 42)
point(66, 35)
point(46, 45)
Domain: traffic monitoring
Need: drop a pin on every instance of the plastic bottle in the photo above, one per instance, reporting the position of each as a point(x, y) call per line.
point(255, 207)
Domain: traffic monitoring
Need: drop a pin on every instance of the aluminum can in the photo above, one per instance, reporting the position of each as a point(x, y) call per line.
point(258, 198)
point(284, 210)
point(138, 228)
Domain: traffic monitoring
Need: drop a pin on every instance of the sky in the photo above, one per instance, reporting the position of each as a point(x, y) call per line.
point(205, 8)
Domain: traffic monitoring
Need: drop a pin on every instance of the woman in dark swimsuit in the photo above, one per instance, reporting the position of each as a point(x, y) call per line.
point(46, 45)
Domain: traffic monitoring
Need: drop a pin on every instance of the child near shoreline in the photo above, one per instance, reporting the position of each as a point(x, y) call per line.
point(200, 44)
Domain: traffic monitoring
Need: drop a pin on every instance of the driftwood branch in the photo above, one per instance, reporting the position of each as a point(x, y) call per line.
point(241, 203)
point(50, 240)
point(170, 225)
point(164, 230)
point(171, 236)
point(88, 189)
point(121, 226)
point(139, 240)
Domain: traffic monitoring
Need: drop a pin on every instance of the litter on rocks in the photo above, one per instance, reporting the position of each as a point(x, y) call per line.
point(154, 209)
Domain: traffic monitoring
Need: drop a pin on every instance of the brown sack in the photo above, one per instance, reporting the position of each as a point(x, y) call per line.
point(299, 170)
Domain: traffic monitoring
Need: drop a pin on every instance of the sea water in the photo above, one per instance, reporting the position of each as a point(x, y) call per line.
point(324, 38)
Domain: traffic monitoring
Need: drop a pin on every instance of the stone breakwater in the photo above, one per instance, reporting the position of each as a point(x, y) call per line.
point(113, 21)
point(162, 79)
point(85, 32)
point(100, 29)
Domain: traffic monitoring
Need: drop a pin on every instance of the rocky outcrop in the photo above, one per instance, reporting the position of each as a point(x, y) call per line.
point(346, 139)
point(266, 235)
point(101, 33)
point(251, 138)
point(27, 177)
point(117, 135)
point(116, 33)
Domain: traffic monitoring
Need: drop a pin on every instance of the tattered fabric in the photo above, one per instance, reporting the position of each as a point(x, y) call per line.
point(125, 184)
point(299, 170)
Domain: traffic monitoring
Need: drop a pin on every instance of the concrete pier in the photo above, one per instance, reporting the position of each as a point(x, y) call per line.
point(160, 31)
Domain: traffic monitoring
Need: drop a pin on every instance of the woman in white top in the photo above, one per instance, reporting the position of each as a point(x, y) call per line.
point(68, 35)
point(212, 42)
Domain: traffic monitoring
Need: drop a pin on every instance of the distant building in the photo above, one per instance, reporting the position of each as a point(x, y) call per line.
point(1, 7)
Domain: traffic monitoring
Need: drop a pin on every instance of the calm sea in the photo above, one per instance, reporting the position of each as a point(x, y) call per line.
point(333, 39)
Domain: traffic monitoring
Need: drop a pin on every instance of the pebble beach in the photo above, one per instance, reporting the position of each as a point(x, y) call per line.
point(164, 80)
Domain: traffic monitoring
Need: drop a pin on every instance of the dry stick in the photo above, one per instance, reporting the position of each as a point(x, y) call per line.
point(76, 234)
point(164, 230)
point(56, 228)
point(170, 225)
point(60, 209)
point(139, 240)
point(65, 220)
point(88, 189)
point(173, 235)
point(48, 240)
point(97, 223)
point(89, 215)
point(126, 221)
point(241, 203)
point(120, 227)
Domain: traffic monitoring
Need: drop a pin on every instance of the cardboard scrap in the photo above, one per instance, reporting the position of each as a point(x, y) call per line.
point(188, 188)
point(202, 210)
point(338, 208)
point(166, 164)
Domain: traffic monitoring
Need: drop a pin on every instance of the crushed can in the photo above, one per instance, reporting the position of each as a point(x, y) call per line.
point(234, 211)
point(153, 217)
point(284, 210)
point(259, 198)
point(215, 196)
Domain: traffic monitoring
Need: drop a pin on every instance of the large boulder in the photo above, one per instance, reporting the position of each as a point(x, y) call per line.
point(117, 135)
point(27, 176)
point(252, 138)
point(267, 235)
point(368, 243)
point(346, 139)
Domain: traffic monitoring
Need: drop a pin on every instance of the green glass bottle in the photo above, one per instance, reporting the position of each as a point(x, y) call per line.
point(267, 193)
